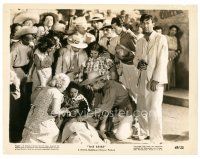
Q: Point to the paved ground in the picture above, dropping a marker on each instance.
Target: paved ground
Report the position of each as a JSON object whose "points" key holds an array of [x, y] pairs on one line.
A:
{"points": [[175, 125]]}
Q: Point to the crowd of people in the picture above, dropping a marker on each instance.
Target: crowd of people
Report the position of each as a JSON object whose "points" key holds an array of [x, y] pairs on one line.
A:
{"points": [[81, 76]]}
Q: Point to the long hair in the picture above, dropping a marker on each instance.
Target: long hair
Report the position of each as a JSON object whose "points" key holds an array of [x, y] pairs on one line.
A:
{"points": [[178, 35]]}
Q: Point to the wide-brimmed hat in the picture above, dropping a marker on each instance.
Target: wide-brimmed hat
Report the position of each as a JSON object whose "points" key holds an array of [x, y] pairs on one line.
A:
{"points": [[59, 27], [54, 15], [25, 30], [92, 77], [76, 40], [97, 17], [23, 16]]}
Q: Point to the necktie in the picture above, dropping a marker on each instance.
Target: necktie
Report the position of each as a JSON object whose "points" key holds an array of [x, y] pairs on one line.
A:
{"points": [[97, 35], [75, 63], [108, 41]]}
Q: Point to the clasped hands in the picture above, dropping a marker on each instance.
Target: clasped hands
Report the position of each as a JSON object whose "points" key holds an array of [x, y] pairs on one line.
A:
{"points": [[142, 65]]}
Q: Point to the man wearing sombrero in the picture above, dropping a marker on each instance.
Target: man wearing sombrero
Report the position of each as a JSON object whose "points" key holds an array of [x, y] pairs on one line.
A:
{"points": [[115, 96], [21, 51], [72, 58]]}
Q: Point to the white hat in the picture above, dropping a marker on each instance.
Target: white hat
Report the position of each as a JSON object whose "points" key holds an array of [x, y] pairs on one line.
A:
{"points": [[25, 30], [59, 27], [23, 16], [76, 41], [96, 17]]}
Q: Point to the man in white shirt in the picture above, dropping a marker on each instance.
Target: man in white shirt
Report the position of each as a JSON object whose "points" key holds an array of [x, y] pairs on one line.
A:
{"points": [[151, 59]]}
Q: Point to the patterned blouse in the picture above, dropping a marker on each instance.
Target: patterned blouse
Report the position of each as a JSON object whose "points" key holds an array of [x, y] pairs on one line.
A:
{"points": [[101, 65], [73, 104]]}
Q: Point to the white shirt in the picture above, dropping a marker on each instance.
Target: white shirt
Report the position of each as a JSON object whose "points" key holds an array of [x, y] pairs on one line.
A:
{"points": [[20, 54], [65, 59], [155, 53]]}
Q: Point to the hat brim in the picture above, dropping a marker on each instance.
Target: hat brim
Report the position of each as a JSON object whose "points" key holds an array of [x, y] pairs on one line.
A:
{"points": [[22, 17], [89, 81], [24, 31], [106, 26], [55, 16], [96, 19], [80, 45]]}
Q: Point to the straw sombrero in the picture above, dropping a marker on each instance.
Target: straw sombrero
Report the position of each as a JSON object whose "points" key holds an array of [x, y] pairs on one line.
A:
{"points": [[25, 30], [92, 77], [24, 16], [76, 41]]}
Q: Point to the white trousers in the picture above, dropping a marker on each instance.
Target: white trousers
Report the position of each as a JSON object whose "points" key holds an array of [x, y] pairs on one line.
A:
{"points": [[150, 114]]}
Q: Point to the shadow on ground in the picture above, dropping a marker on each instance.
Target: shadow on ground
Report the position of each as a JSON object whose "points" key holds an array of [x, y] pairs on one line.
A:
{"points": [[175, 138]]}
